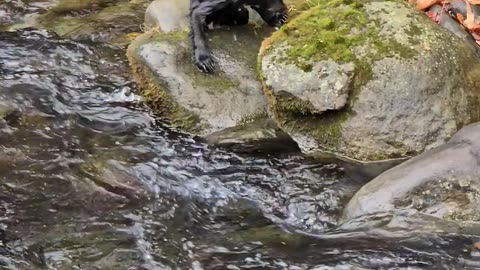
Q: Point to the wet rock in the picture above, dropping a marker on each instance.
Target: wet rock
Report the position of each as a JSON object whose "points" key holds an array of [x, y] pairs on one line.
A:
{"points": [[167, 16], [325, 86], [194, 101], [96, 20], [442, 182], [21, 12], [9, 158], [8, 11], [261, 135], [369, 80], [403, 223], [358, 169], [454, 26], [271, 235], [8, 112], [111, 180], [120, 258]]}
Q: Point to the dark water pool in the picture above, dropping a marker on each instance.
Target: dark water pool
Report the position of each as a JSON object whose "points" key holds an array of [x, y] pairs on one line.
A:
{"points": [[90, 179]]}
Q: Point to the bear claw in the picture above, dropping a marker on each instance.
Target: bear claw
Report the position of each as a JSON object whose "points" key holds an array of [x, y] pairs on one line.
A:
{"points": [[205, 62]]}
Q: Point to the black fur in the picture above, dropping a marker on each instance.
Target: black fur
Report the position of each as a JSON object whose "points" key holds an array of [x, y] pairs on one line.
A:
{"points": [[227, 12]]}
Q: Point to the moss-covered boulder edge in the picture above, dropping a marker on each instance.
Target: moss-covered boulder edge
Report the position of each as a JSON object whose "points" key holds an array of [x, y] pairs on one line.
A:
{"points": [[413, 84], [152, 89], [189, 99]]}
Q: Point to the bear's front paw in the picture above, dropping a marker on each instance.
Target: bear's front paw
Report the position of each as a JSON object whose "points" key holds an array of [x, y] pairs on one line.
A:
{"points": [[204, 61]]}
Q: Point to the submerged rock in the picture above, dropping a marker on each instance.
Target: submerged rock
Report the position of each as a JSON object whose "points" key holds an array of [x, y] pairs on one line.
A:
{"points": [[443, 182], [97, 20], [370, 80], [358, 169], [108, 180], [194, 101], [261, 135], [7, 110]]}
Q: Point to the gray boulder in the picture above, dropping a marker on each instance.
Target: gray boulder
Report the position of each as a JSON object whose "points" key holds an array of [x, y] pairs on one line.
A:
{"points": [[370, 80], [188, 99], [443, 182]]}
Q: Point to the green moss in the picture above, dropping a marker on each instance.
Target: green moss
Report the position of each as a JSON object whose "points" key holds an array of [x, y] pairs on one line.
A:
{"points": [[253, 118], [343, 31], [155, 92], [326, 128], [414, 31], [289, 103], [333, 29], [164, 104], [363, 74], [219, 83], [320, 35]]}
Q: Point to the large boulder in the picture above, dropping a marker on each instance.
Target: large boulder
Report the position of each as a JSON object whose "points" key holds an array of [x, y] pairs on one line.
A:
{"points": [[188, 99], [443, 182], [370, 80]]}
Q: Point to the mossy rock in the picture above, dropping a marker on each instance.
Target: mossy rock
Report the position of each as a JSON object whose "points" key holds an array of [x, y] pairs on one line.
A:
{"points": [[193, 101], [97, 20], [108, 178], [297, 7], [370, 80], [442, 182]]}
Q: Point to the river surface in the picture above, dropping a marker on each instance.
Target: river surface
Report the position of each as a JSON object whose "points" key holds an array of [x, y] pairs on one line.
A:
{"points": [[90, 178]]}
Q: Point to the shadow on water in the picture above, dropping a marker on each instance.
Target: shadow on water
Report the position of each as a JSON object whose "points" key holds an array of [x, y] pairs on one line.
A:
{"points": [[90, 180]]}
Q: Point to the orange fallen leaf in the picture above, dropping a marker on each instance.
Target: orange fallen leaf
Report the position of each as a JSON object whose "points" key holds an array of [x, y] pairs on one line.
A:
{"points": [[460, 18], [424, 4], [433, 15], [470, 22]]}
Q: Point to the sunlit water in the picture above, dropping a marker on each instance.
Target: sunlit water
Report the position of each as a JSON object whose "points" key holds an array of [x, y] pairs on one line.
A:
{"points": [[90, 179]]}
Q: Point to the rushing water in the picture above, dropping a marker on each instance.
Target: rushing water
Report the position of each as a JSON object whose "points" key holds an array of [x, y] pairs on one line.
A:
{"points": [[90, 179]]}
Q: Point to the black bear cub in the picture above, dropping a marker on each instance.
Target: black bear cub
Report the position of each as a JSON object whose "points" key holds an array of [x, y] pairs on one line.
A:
{"points": [[227, 12]]}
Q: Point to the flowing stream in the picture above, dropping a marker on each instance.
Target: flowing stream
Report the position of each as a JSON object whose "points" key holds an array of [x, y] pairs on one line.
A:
{"points": [[91, 179]]}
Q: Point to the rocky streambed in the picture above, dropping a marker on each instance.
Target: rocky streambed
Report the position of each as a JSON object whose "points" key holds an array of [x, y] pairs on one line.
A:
{"points": [[287, 158]]}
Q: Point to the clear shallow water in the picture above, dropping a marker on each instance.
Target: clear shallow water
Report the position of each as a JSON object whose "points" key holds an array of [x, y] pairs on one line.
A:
{"points": [[90, 179]]}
